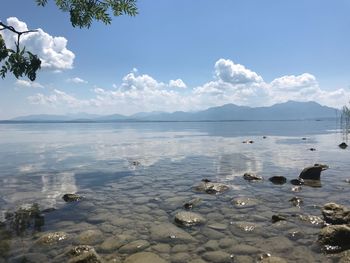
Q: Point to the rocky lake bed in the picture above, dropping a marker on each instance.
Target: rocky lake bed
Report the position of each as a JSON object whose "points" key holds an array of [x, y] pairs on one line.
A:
{"points": [[140, 193]]}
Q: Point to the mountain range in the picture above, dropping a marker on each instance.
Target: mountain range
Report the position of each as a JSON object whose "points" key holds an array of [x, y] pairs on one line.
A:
{"points": [[291, 110]]}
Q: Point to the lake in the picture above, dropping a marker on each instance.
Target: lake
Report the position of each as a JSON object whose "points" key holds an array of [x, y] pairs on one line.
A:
{"points": [[135, 177]]}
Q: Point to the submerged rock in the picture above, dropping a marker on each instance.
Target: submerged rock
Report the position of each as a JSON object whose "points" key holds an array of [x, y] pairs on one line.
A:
{"points": [[193, 202], [244, 202], [185, 218], [169, 233], [314, 220], [273, 260], [90, 237], [335, 238], [313, 172], [72, 197], [211, 188], [217, 257], [135, 246], [278, 180], [343, 145], [52, 238], [252, 177], [336, 214], [144, 257]]}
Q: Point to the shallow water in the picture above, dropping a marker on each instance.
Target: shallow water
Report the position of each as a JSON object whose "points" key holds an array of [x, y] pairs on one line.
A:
{"points": [[136, 176]]}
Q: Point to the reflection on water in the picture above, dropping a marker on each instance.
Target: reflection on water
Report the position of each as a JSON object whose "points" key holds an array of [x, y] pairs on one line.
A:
{"points": [[141, 174]]}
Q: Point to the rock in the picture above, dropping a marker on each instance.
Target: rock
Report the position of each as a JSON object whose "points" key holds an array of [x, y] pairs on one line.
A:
{"points": [[273, 260], [252, 177], [169, 233], [180, 257], [296, 201], [111, 244], [185, 218], [217, 257], [28, 258], [248, 142], [298, 181], [343, 145], [312, 149], [336, 214], [296, 189], [335, 238], [217, 226], [211, 188], [193, 202], [144, 257], [278, 180], [304, 139], [276, 218], [72, 197], [84, 254], [90, 237], [345, 257], [211, 245], [313, 172], [133, 247], [264, 137], [244, 202], [52, 238]]}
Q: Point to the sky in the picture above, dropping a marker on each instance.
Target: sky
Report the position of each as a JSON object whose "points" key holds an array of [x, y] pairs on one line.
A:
{"points": [[181, 55]]}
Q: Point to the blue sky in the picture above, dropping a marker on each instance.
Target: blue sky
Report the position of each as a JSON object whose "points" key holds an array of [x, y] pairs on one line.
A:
{"points": [[182, 55]]}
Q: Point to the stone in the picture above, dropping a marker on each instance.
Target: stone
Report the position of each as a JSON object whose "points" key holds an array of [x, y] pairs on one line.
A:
{"points": [[185, 218], [252, 177], [28, 258], [217, 257], [278, 179], [180, 257], [211, 188], [276, 218], [243, 249], [343, 145], [193, 202], [90, 237], [296, 201], [273, 260], [144, 257], [244, 202], [71, 197], [168, 233], [313, 172], [84, 254], [345, 257], [335, 238], [133, 247], [52, 238], [243, 259], [111, 244], [298, 181], [162, 248], [336, 214], [312, 149], [314, 220], [217, 226], [211, 245]]}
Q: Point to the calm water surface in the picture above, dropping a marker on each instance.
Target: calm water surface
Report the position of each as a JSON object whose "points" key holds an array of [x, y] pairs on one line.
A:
{"points": [[136, 176]]}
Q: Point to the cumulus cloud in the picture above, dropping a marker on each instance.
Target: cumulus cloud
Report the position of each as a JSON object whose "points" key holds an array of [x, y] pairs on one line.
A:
{"points": [[232, 83], [77, 80], [178, 83], [51, 50], [28, 84]]}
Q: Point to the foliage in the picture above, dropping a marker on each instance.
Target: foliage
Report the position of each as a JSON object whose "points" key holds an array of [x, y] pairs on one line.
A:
{"points": [[22, 63], [84, 12]]}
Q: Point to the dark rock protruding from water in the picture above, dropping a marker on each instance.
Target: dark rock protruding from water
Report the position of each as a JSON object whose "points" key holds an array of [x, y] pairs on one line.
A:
{"points": [[336, 214], [312, 149], [276, 218], [343, 145], [313, 172], [81, 254], [298, 181], [189, 219], [252, 177], [211, 188], [296, 201], [335, 238], [72, 198], [278, 180]]}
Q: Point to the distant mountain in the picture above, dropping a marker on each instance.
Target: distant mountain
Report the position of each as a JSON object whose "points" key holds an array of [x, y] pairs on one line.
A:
{"points": [[290, 110]]}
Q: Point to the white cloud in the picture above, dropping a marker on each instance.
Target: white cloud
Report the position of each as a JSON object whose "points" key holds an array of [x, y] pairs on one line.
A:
{"points": [[77, 80], [232, 83], [51, 50], [178, 83], [28, 84]]}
